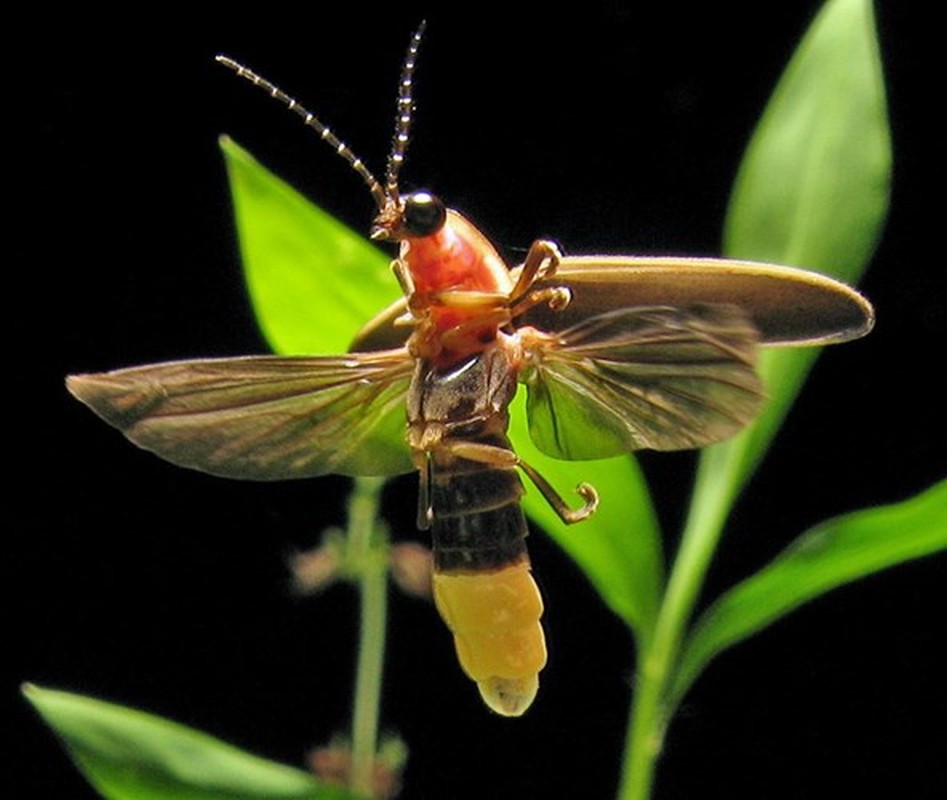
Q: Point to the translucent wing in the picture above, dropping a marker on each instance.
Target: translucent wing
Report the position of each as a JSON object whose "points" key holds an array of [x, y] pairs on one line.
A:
{"points": [[653, 377], [263, 418]]}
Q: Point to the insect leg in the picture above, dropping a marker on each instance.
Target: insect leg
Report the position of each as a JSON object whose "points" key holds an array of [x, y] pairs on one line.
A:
{"points": [[469, 299], [403, 275], [425, 509], [541, 262], [585, 490], [467, 335], [502, 457], [557, 297]]}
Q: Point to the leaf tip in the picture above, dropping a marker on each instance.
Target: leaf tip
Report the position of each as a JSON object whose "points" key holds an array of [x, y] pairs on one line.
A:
{"points": [[230, 148], [34, 695]]}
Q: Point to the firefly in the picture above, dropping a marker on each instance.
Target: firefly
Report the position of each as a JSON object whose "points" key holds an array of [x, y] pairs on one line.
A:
{"points": [[616, 353]]}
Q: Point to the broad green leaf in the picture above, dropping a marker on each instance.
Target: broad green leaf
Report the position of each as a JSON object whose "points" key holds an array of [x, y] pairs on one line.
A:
{"points": [[129, 755], [813, 192], [619, 548], [836, 552], [313, 282]]}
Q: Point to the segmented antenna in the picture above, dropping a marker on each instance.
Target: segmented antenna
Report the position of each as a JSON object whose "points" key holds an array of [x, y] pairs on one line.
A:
{"points": [[325, 133], [399, 143], [387, 196]]}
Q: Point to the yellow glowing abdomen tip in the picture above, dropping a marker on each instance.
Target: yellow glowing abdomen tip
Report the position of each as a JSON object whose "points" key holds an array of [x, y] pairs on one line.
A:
{"points": [[494, 617]]}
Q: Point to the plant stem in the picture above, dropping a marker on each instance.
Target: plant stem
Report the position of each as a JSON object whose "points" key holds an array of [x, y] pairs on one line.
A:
{"points": [[710, 504], [368, 549]]}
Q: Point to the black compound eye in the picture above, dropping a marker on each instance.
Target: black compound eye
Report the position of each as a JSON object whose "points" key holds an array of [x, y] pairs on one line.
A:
{"points": [[424, 214]]}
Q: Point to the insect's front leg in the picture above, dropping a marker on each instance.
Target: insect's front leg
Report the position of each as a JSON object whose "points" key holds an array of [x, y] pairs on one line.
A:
{"points": [[403, 275], [542, 260]]}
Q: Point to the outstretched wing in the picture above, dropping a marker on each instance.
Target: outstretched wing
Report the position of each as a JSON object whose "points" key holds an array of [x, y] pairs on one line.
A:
{"points": [[263, 418], [651, 377]]}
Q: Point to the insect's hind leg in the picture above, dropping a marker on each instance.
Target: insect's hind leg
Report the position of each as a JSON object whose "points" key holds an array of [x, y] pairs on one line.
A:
{"points": [[569, 516], [502, 457], [425, 507]]}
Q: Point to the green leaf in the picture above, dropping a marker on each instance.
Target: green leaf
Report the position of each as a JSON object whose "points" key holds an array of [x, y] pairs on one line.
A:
{"points": [[812, 191], [313, 282], [129, 755], [834, 553], [619, 548]]}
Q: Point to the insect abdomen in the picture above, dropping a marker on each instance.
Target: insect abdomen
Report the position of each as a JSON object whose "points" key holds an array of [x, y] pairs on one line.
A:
{"points": [[482, 583]]}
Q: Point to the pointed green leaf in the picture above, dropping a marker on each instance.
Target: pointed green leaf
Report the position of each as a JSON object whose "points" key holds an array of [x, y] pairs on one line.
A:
{"points": [[813, 192], [813, 187], [129, 755], [313, 282], [619, 548], [834, 553]]}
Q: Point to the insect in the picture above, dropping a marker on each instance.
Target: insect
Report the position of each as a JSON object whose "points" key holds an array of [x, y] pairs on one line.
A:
{"points": [[616, 353]]}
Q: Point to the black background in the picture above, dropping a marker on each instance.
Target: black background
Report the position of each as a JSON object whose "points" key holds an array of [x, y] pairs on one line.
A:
{"points": [[616, 128]]}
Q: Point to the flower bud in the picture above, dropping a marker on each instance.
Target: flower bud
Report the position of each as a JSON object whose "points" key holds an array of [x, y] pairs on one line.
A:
{"points": [[411, 568], [315, 569]]}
